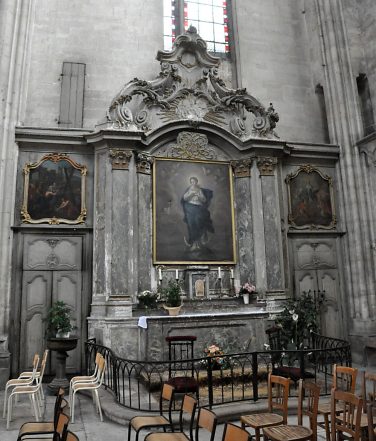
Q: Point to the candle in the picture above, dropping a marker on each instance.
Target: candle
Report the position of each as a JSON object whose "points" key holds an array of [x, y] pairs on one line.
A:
{"points": [[232, 273], [176, 274], [219, 273], [160, 273]]}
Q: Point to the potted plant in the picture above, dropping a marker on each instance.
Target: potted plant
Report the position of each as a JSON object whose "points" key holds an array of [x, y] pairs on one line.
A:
{"points": [[148, 299], [172, 297], [246, 290], [59, 320]]}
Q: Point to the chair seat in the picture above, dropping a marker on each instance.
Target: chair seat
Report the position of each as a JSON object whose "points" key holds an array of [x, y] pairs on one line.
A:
{"points": [[171, 436], [183, 384], [325, 408], [259, 420], [294, 373], [149, 421], [288, 433], [36, 427]]}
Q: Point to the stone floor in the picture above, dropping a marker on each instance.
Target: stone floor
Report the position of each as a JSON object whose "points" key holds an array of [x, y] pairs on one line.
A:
{"points": [[87, 424]]}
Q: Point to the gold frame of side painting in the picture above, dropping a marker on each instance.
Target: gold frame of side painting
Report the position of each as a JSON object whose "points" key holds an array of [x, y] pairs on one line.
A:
{"points": [[54, 191], [193, 212]]}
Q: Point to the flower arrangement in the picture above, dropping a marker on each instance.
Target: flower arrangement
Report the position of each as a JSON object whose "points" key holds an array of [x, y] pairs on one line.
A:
{"points": [[172, 294], [299, 318], [247, 288], [148, 299], [217, 354]]}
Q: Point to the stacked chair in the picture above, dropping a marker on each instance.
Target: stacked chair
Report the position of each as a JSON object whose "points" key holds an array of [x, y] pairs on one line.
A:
{"points": [[92, 383], [33, 389]]}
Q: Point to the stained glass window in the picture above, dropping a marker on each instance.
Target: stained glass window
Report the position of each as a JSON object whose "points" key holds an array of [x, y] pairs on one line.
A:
{"points": [[209, 17]]}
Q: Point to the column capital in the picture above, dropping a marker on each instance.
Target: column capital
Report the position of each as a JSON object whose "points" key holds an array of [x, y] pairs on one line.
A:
{"points": [[266, 166], [120, 158], [242, 167], [144, 163]]}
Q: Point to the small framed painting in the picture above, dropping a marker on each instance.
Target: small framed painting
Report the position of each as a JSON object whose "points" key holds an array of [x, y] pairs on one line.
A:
{"points": [[311, 199], [54, 191]]}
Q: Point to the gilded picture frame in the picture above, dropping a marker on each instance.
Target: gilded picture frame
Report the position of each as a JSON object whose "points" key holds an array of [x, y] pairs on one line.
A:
{"points": [[193, 212], [54, 191], [310, 199]]}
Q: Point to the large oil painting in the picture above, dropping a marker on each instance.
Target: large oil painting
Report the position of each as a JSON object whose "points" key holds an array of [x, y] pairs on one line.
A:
{"points": [[310, 195], [54, 191], [193, 214]]}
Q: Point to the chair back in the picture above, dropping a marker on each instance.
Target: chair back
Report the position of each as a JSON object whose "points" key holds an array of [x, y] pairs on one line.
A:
{"points": [[346, 413], [234, 433], [57, 407], [278, 394], [167, 395], [41, 372], [308, 403], [368, 389], [180, 353], [188, 407], [344, 378], [206, 420], [45, 355], [62, 422]]}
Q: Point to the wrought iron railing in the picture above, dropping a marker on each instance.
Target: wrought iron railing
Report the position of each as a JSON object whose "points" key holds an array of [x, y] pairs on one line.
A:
{"points": [[229, 378]]}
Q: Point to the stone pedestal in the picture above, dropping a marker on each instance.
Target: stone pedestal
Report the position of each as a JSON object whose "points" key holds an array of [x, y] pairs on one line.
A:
{"points": [[61, 346]]}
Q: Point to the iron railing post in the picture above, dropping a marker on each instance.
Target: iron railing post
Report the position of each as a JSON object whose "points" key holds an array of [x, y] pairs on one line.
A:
{"points": [[255, 376], [210, 381]]}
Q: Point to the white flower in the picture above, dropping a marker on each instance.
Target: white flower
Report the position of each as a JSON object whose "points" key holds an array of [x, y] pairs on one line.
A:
{"points": [[291, 311], [295, 317], [266, 346]]}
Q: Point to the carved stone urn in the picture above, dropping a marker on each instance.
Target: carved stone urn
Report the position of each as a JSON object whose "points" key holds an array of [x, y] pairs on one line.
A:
{"points": [[61, 346]]}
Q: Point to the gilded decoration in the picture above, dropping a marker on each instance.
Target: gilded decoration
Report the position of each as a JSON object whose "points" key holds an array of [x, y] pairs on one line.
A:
{"points": [[310, 199], [144, 163], [192, 145], [54, 191], [266, 166], [189, 89], [242, 167], [120, 159]]}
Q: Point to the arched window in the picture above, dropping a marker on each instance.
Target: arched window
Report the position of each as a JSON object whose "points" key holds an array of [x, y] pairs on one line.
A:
{"points": [[209, 17]]}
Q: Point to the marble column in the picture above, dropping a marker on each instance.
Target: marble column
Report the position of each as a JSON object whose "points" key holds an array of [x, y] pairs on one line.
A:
{"points": [[244, 220], [272, 224]]}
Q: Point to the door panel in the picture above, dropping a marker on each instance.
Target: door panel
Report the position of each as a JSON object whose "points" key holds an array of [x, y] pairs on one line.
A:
{"points": [[36, 298], [66, 286]]}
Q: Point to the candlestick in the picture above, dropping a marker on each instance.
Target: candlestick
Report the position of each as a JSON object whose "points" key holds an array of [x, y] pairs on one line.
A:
{"points": [[160, 273], [176, 274], [219, 273], [232, 273]]}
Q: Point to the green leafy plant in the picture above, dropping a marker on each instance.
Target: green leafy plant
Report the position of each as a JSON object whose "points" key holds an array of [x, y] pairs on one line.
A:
{"points": [[148, 299], [172, 294], [297, 320], [58, 319]]}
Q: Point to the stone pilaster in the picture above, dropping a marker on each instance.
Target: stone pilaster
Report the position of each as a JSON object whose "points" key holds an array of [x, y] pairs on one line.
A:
{"points": [[15, 25], [272, 224], [345, 128]]}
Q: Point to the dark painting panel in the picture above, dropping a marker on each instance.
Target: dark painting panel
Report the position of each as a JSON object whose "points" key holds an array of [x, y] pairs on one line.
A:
{"points": [[310, 199], [54, 191], [193, 212]]}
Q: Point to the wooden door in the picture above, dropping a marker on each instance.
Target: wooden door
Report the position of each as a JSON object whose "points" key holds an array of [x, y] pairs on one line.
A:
{"points": [[52, 271]]}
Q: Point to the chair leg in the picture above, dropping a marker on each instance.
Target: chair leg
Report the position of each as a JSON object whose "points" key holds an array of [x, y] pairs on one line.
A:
{"points": [[5, 401], [9, 414], [72, 406], [327, 430], [35, 407], [98, 404], [129, 430]]}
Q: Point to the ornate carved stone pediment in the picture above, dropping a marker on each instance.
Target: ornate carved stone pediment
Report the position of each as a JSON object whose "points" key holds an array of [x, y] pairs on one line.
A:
{"points": [[189, 89]]}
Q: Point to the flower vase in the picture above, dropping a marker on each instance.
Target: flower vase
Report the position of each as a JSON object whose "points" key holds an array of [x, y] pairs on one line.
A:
{"points": [[173, 310], [246, 298]]}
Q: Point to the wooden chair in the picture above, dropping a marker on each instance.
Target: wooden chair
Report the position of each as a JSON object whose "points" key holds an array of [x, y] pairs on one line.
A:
{"points": [[346, 413], [25, 381], [68, 435], [234, 433], [46, 427], [370, 419], [188, 408], [180, 354], [308, 408], [32, 391], [281, 386], [369, 397], [206, 420], [344, 378], [139, 423], [93, 387], [55, 434]]}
